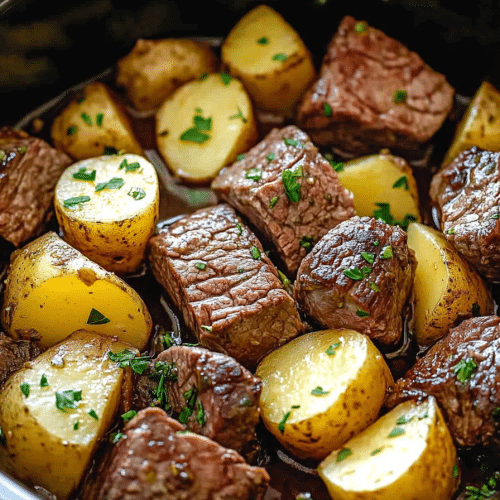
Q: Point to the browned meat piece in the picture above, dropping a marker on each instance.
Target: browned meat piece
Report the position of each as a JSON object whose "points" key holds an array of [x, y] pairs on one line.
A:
{"points": [[156, 460], [259, 186], [462, 371], [214, 395], [358, 276], [13, 355], [467, 194], [217, 273], [29, 171], [373, 92]]}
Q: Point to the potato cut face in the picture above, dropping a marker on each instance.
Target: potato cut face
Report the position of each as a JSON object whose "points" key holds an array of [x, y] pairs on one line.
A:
{"points": [[321, 389], [446, 288], [50, 443], [107, 208], [479, 125], [381, 178], [407, 453], [53, 289], [204, 125]]}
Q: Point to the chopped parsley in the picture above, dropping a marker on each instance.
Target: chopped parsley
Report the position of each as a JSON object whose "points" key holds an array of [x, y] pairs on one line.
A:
{"points": [[128, 358], [404, 420], [116, 436], [83, 175], [280, 57], [360, 27], [97, 318], [374, 286], [238, 228], [204, 76], [25, 389], [454, 471], [200, 416], [451, 230], [167, 341], [98, 119], [397, 431], [263, 40], [307, 243], [68, 399], [386, 252], [202, 123], [114, 183], [129, 167], [383, 213], [197, 134], [93, 414], [110, 150], [137, 193], [327, 109], [255, 252], [402, 182], [129, 415], [226, 79], [241, 156], [356, 274], [86, 118], [375, 452], [465, 369], [343, 454], [399, 96], [241, 270], [338, 166], [286, 282], [71, 130], [281, 425], [71, 202], [239, 115], [207, 328], [293, 142], [190, 398], [255, 174], [486, 490], [22, 149], [362, 314], [273, 201], [318, 391], [43, 381], [295, 407], [201, 266], [271, 156], [331, 351], [292, 187], [368, 257], [76, 425]]}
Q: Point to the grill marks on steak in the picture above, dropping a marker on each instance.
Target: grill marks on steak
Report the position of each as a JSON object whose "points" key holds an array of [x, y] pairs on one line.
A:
{"points": [[236, 304], [156, 460], [29, 171], [371, 305], [469, 407], [467, 194], [360, 74], [14, 354], [323, 201]]}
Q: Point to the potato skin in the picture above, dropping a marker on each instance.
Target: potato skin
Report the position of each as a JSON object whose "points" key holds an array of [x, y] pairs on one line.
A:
{"points": [[154, 69], [356, 377], [77, 132]]}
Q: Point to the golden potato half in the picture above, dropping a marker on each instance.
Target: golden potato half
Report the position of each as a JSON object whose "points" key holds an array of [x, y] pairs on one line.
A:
{"points": [[270, 58], [107, 208], [93, 123], [54, 412], [204, 125], [381, 178], [53, 290], [446, 288], [406, 454], [321, 389]]}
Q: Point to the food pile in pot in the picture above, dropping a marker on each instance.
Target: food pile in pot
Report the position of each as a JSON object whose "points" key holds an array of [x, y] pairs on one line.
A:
{"points": [[317, 311]]}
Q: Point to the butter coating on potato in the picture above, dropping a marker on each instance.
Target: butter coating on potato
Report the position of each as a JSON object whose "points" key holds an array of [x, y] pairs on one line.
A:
{"points": [[321, 389], [107, 208]]}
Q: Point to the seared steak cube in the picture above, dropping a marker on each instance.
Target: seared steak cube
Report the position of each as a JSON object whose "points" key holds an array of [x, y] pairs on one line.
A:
{"points": [[467, 194], [373, 92], [216, 271], [358, 276], [29, 171], [157, 460], [13, 355], [462, 371], [288, 191]]}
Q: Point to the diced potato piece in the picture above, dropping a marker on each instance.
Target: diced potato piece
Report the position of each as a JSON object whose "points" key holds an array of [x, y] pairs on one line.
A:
{"points": [[113, 226], [204, 125], [321, 389], [406, 454], [92, 123], [55, 290], [48, 443], [446, 288], [155, 68], [381, 178], [480, 125], [270, 58]]}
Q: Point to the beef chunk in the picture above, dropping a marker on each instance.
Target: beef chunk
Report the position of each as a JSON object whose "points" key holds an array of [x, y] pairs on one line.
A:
{"points": [[467, 194], [13, 355], [217, 273], [29, 171], [352, 105], [259, 187], [358, 276], [214, 395], [462, 371], [157, 460]]}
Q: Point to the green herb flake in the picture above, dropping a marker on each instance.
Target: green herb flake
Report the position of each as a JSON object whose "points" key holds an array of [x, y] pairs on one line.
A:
{"points": [[327, 109], [110, 150], [284, 280], [226, 79], [280, 57], [338, 166], [368, 257], [254, 174], [167, 341], [263, 40], [399, 96], [114, 183], [97, 318], [194, 135], [360, 27], [241, 270], [43, 381], [454, 472], [80, 100], [281, 425], [451, 230], [404, 420], [239, 230], [76, 425], [137, 193], [375, 452], [425, 415], [25, 389], [83, 175], [273, 201], [201, 266], [3, 439], [465, 369], [386, 252], [362, 314], [255, 252], [116, 436], [202, 123], [93, 414], [68, 399], [332, 350], [207, 328], [293, 142], [132, 167], [353, 273], [98, 119], [295, 407], [129, 415], [397, 431], [86, 118], [374, 286], [402, 182], [271, 156], [185, 414], [318, 391], [307, 243], [292, 187], [200, 416], [71, 130], [204, 76], [383, 213], [343, 454], [376, 243], [77, 200], [239, 115], [476, 310], [241, 156]]}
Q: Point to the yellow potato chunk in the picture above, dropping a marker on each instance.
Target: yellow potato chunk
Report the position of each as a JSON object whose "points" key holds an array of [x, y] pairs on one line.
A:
{"points": [[270, 58], [321, 389], [54, 411], [480, 125], [53, 290], [446, 288], [107, 208], [381, 178], [155, 68], [204, 125], [406, 454], [92, 123]]}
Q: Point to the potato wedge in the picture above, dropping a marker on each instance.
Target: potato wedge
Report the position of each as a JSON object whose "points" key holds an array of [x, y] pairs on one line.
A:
{"points": [[51, 428], [107, 208], [204, 125], [480, 125], [155, 68], [381, 178], [53, 290], [406, 454], [446, 288], [321, 389], [270, 58], [92, 123]]}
